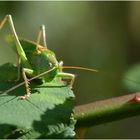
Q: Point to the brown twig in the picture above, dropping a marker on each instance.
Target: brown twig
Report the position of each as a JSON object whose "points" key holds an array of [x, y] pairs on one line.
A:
{"points": [[109, 110]]}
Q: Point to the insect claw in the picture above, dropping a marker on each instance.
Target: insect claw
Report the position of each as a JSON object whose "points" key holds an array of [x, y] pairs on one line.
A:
{"points": [[71, 85], [24, 97]]}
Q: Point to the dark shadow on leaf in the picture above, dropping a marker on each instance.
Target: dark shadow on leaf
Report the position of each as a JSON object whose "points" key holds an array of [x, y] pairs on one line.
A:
{"points": [[56, 122], [11, 132]]}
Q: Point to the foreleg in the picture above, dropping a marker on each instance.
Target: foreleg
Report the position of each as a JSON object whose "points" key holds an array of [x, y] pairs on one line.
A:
{"points": [[67, 76]]}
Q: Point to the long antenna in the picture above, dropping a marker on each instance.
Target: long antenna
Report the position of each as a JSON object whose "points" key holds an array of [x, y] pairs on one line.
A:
{"points": [[80, 68]]}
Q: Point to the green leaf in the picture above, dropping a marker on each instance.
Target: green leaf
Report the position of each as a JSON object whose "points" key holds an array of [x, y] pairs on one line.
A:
{"points": [[46, 114], [131, 79]]}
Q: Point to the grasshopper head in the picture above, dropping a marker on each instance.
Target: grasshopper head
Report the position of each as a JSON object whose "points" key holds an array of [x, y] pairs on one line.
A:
{"points": [[48, 61], [52, 59]]}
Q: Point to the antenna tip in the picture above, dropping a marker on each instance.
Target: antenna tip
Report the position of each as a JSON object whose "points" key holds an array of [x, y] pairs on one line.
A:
{"points": [[96, 70], [93, 70]]}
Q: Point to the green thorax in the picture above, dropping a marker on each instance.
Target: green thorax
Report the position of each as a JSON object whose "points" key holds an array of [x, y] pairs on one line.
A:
{"points": [[40, 61]]}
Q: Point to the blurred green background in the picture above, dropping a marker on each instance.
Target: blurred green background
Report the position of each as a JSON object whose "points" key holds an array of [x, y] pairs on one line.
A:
{"points": [[102, 35]]}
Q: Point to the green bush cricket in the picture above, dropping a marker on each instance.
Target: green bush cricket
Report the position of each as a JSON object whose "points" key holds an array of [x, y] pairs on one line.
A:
{"points": [[37, 61]]}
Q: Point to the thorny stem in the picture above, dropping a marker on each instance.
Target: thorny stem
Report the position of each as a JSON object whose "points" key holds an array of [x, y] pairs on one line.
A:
{"points": [[109, 110]]}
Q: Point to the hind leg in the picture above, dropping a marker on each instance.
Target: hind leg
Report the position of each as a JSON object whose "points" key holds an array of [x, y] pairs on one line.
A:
{"points": [[42, 33]]}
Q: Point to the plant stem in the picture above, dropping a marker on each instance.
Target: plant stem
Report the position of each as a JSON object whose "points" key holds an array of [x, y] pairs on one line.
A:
{"points": [[108, 110]]}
